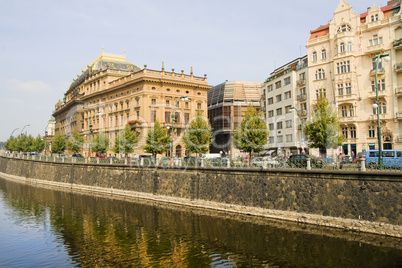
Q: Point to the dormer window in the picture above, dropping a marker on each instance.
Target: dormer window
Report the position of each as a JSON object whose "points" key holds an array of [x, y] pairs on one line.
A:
{"points": [[344, 28], [374, 17]]}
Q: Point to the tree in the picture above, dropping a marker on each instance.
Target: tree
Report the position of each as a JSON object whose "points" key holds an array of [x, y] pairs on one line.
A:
{"points": [[100, 144], [59, 143], [75, 142], [38, 144], [251, 135], [11, 144], [157, 140], [323, 129], [198, 136], [125, 141]]}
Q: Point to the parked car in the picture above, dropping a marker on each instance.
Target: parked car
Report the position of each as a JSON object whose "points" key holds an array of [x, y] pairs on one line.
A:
{"points": [[300, 160], [77, 155], [346, 159]]}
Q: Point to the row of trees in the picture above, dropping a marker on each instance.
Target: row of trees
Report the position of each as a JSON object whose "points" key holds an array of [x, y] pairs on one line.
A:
{"points": [[250, 136]]}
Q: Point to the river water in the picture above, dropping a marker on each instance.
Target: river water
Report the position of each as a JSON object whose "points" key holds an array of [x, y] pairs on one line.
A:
{"points": [[49, 228]]}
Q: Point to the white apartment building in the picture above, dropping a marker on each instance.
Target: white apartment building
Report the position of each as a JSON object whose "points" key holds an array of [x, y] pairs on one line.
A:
{"points": [[284, 90]]}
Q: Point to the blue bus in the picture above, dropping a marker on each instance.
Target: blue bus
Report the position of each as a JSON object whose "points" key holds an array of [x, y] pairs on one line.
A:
{"points": [[390, 158]]}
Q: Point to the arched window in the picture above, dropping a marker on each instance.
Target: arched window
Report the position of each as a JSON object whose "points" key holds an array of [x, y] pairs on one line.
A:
{"points": [[319, 74], [342, 47], [323, 54], [314, 56], [321, 93], [344, 111], [344, 28], [351, 110]]}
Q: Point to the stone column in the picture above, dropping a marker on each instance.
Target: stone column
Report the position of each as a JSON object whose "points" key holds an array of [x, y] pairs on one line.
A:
{"points": [[308, 164], [363, 164]]}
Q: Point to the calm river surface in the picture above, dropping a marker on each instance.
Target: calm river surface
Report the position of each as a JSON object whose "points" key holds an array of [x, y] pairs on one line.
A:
{"points": [[48, 228]]}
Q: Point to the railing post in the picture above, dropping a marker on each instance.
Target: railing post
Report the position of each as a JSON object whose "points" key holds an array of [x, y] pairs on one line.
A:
{"points": [[97, 161], [308, 164], [111, 160], [264, 164], [142, 162], [202, 162], [228, 162], [125, 161], [363, 164], [86, 160]]}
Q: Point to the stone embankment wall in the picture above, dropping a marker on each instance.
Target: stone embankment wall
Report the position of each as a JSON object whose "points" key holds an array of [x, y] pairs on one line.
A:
{"points": [[361, 201]]}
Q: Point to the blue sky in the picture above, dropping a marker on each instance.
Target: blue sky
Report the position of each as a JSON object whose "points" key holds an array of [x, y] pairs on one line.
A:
{"points": [[44, 44]]}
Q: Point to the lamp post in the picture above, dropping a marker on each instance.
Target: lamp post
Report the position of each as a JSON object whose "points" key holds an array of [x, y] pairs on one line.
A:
{"points": [[183, 98], [301, 127], [377, 106], [89, 133], [13, 131], [24, 128]]}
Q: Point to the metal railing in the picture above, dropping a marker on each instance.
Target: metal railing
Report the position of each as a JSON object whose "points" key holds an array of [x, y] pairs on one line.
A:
{"points": [[256, 163]]}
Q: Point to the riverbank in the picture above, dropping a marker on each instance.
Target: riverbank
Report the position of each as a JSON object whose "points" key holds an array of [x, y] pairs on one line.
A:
{"points": [[301, 197]]}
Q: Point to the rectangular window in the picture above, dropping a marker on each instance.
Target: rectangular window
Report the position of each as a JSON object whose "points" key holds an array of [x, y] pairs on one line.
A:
{"points": [[271, 126], [353, 132], [280, 139], [153, 116], [278, 98], [138, 114], [374, 61], [271, 139], [289, 123], [270, 101], [340, 89], [289, 138], [122, 120], [278, 85], [287, 109], [270, 88], [286, 81], [167, 117], [344, 111], [345, 132], [177, 117], [138, 102], [279, 125], [279, 111], [348, 88], [343, 67], [186, 118], [371, 130], [199, 106], [167, 103], [186, 105], [288, 95], [153, 101], [271, 113]]}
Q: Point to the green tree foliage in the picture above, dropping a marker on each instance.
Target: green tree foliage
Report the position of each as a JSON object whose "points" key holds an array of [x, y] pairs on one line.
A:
{"points": [[11, 144], [75, 142], [198, 136], [323, 129], [100, 144], [251, 135], [157, 140], [125, 141], [59, 143], [38, 144]]}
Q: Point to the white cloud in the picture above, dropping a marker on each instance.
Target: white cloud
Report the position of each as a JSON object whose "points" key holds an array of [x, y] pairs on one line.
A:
{"points": [[27, 87]]}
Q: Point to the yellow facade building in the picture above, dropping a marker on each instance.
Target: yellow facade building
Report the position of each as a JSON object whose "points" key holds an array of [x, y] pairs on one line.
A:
{"points": [[342, 66], [111, 93]]}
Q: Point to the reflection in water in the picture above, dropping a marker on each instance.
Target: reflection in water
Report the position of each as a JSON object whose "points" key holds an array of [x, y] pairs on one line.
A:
{"points": [[91, 231]]}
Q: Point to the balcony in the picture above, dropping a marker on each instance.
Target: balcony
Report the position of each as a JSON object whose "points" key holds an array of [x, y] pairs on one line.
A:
{"points": [[347, 119], [397, 44], [372, 94], [398, 91], [302, 97], [398, 67], [379, 72], [346, 98], [373, 117], [398, 115], [301, 82], [375, 49]]}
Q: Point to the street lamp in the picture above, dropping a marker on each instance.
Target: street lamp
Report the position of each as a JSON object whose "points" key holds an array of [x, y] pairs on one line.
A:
{"points": [[13, 131], [301, 127], [89, 133], [183, 98], [23, 128], [377, 106]]}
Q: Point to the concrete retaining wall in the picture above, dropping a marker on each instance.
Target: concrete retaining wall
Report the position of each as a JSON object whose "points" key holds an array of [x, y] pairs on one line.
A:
{"points": [[369, 202]]}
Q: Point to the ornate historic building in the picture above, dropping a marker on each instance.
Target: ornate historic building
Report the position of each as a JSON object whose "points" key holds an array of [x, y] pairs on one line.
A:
{"points": [[342, 66], [227, 103], [112, 92]]}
